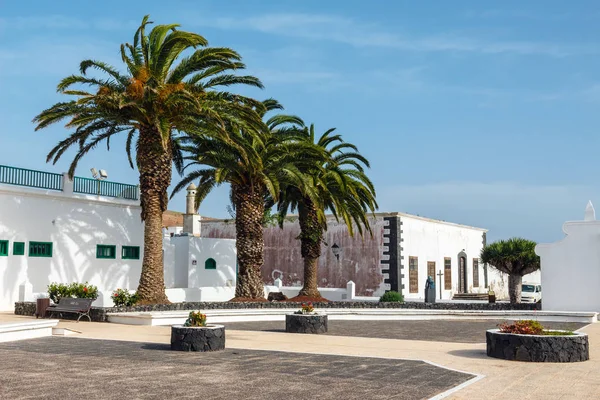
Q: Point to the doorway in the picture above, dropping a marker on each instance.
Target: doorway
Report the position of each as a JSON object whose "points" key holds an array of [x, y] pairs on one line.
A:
{"points": [[462, 272]]}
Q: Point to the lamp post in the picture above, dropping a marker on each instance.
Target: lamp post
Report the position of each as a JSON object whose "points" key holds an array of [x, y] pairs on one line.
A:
{"points": [[99, 176], [336, 251]]}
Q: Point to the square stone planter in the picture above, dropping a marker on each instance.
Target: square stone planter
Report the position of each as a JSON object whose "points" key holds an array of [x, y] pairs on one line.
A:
{"points": [[537, 348], [204, 338], [306, 323]]}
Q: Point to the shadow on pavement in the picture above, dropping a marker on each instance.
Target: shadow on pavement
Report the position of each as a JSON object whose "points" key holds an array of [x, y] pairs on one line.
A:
{"points": [[469, 353]]}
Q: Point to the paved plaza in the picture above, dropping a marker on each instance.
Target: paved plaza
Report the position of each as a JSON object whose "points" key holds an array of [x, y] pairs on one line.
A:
{"points": [[455, 331], [73, 368], [122, 361]]}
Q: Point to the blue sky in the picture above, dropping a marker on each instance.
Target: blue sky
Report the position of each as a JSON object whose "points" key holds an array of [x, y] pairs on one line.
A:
{"points": [[482, 113]]}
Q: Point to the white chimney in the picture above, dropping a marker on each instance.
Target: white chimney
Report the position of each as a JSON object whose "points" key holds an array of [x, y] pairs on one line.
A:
{"points": [[191, 220]]}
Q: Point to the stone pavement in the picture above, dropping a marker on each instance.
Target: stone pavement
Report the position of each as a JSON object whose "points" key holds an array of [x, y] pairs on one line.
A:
{"points": [[73, 368], [503, 379], [455, 330]]}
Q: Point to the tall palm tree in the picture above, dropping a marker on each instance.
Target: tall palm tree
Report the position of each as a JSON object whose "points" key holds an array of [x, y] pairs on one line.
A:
{"points": [[515, 257], [160, 95], [341, 187], [256, 165]]}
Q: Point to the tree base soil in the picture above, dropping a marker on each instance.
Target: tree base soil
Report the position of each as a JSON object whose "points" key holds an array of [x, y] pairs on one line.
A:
{"points": [[248, 300], [307, 299]]}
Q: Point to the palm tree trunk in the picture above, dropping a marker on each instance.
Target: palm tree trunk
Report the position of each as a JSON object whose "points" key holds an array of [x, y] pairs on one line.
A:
{"points": [[154, 163], [514, 288], [311, 237], [249, 210]]}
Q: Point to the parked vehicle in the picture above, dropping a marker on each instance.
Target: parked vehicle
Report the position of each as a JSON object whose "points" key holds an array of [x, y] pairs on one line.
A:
{"points": [[531, 293]]}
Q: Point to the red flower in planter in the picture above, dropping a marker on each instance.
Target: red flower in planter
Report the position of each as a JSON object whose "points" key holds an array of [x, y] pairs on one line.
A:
{"points": [[85, 289]]}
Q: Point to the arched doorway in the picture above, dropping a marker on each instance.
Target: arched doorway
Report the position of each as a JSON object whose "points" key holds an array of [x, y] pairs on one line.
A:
{"points": [[462, 272]]}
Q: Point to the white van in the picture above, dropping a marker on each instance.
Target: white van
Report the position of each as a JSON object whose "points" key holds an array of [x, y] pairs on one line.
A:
{"points": [[531, 293]]}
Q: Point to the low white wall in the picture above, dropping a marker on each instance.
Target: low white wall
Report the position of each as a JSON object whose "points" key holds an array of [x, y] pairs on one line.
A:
{"points": [[180, 295]]}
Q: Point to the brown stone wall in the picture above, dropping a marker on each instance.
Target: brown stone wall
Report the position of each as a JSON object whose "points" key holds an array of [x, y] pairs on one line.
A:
{"points": [[359, 259]]}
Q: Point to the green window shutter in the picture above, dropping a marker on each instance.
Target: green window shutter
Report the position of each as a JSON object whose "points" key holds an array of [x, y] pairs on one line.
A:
{"points": [[40, 249], [106, 251], [210, 264], [3, 247], [18, 248], [130, 253]]}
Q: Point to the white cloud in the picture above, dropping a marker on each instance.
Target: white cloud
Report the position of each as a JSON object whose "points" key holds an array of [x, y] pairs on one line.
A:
{"points": [[359, 34], [41, 56], [63, 22]]}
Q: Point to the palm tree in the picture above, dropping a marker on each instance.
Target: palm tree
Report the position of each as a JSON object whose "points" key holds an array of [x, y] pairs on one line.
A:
{"points": [[515, 257], [152, 103], [256, 165], [341, 187]]}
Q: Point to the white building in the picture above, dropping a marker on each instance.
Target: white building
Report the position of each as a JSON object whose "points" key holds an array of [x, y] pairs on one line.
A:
{"points": [[53, 229], [571, 266], [404, 250]]}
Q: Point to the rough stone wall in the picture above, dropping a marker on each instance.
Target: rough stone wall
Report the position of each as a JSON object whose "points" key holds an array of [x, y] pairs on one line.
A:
{"points": [[536, 348], [359, 259], [100, 314]]}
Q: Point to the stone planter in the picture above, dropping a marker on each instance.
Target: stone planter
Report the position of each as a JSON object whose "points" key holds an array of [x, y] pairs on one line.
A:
{"points": [[306, 323], [205, 338], [537, 348]]}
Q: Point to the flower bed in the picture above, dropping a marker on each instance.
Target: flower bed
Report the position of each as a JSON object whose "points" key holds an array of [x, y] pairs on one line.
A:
{"points": [[306, 320], [196, 335], [529, 341]]}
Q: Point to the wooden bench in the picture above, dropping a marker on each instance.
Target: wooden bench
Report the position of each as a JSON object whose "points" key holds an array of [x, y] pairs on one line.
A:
{"points": [[81, 307]]}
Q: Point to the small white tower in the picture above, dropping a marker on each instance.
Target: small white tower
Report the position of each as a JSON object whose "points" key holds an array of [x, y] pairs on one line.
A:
{"points": [[590, 213], [191, 220]]}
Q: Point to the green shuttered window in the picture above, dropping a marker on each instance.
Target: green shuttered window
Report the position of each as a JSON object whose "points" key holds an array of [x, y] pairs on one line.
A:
{"points": [[106, 251], [18, 248], [3, 247], [130, 253], [40, 249]]}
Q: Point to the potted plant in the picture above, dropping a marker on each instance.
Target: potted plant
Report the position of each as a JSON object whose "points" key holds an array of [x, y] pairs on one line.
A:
{"points": [[530, 341], [196, 335], [306, 320]]}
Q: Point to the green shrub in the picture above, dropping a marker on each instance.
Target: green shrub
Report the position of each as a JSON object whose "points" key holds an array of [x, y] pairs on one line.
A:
{"points": [[392, 297], [196, 318], [122, 298], [84, 291], [57, 291]]}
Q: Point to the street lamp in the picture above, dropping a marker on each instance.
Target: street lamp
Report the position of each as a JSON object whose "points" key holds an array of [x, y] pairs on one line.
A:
{"points": [[336, 251], [99, 176]]}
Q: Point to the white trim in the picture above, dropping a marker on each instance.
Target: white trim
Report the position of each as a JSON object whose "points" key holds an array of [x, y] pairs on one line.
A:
{"points": [[156, 318], [455, 389], [45, 193]]}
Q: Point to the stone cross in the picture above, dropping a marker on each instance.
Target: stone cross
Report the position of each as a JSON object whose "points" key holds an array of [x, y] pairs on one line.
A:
{"points": [[439, 274]]}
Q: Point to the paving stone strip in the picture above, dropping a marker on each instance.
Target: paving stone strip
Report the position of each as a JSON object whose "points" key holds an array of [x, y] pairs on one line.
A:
{"points": [[456, 331], [75, 368]]}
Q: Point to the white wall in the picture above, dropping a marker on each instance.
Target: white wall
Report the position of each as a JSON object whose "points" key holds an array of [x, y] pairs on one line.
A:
{"points": [[75, 224], [185, 258], [431, 240], [571, 267]]}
